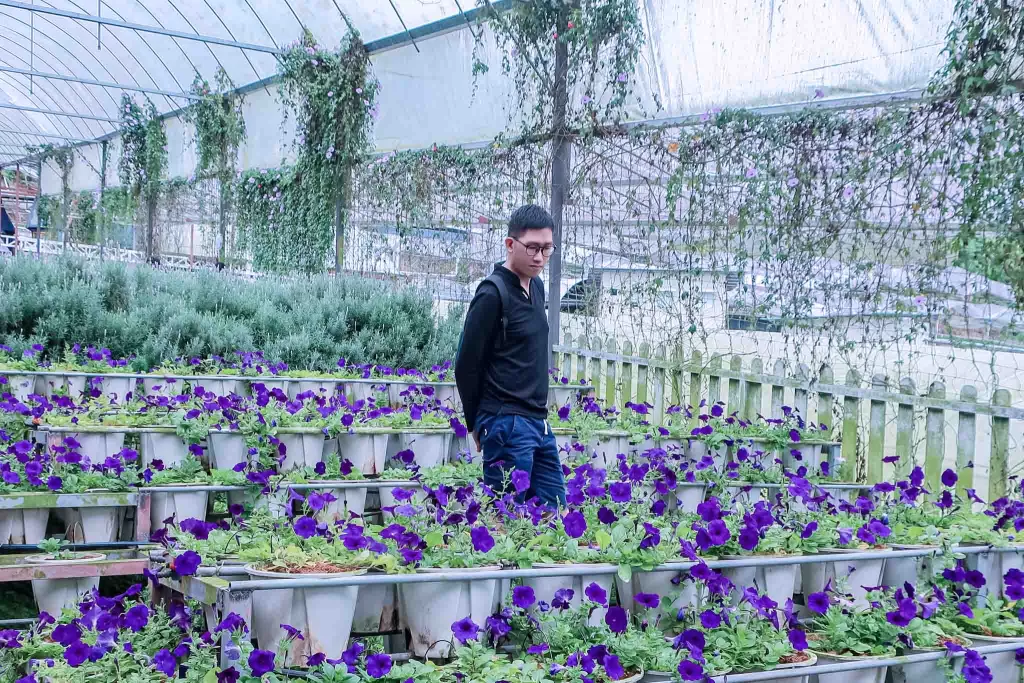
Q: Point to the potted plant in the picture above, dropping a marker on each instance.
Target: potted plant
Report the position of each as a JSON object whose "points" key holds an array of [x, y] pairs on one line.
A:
{"points": [[851, 533], [53, 595], [179, 505], [322, 615], [20, 382], [331, 505], [840, 633]]}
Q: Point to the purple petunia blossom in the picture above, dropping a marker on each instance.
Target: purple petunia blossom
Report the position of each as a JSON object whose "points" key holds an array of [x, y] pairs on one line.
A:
{"points": [[537, 649], [690, 670], [136, 618], [378, 665], [616, 619], [520, 480], [186, 563], [523, 597], [818, 602], [648, 600], [482, 539], [620, 492], [261, 662], [798, 639], [613, 667], [228, 675], [575, 524], [305, 527], [165, 663], [465, 630], [596, 594], [949, 478], [710, 619]]}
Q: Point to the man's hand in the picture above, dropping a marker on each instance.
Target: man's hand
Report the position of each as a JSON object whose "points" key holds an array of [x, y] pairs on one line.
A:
{"points": [[476, 440]]}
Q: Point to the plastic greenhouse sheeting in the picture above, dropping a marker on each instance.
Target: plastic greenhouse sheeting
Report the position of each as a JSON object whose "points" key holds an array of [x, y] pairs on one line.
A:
{"points": [[699, 55]]}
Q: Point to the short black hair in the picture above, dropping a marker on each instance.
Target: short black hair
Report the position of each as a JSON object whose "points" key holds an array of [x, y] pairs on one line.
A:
{"points": [[529, 217]]}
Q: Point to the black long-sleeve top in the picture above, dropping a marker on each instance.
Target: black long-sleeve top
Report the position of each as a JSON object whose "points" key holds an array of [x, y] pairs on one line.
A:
{"points": [[504, 376]]}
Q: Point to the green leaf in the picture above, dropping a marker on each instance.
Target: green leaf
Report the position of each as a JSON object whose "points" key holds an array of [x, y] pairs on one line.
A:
{"points": [[625, 572]]}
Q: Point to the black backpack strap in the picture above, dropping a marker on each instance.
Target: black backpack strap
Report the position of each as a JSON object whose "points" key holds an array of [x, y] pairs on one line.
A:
{"points": [[498, 282]]}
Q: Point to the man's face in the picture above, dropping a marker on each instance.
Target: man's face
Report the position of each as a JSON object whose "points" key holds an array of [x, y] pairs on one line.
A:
{"points": [[526, 253]]}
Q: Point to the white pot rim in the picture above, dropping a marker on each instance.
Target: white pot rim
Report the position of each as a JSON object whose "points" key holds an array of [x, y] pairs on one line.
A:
{"points": [[995, 639], [811, 661], [251, 570], [851, 551], [846, 658], [46, 559], [467, 570]]}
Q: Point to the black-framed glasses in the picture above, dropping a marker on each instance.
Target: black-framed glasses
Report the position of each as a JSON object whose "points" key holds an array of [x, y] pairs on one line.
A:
{"points": [[533, 249]]}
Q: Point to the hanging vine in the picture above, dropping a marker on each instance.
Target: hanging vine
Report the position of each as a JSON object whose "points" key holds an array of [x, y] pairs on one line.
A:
{"points": [[143, 160], [219, 132], [603, 37], [64, 159], [287, 216]]}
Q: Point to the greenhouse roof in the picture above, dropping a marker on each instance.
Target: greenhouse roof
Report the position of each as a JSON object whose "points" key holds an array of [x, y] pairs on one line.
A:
{"points": [[66, 62]]}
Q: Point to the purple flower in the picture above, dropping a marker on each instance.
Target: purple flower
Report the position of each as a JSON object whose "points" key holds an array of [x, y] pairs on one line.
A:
{"points": [[648, 600], [520, 480], [710, 619], [817, 602], [798, 639], [305, 527], [465, 630], [378, 665], [66, 634], [232, 622], [563, 596], [949, 478], [616, 619], [482, 540], [523, 597], [186, 564], [575, 524], [718, 532], [292, 632], [537, 649], [164, 662], [690, 670], [228, 675], [76, 653], [136, 618], [606, 516], [54, 483], [613, 668], [794, 435], [261, 662], [596, 594], [621, 492], [809, 530]]}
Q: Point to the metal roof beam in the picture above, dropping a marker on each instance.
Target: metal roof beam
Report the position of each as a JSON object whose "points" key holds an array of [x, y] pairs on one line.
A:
{"points": [[44, 135], [139, 27], [435, 28], [102, 84], [50, 112]]}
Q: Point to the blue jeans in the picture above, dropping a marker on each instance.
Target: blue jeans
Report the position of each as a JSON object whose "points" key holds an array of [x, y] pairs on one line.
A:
{"points": [[514, 442]]}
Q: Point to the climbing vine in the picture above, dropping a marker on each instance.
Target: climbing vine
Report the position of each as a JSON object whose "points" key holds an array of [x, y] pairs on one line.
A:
{"points": [[143, 160], [287, 216], [219, 131], [64, 159], [603, 39]]}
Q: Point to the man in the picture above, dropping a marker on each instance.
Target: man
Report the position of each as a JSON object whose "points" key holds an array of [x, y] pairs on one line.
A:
{"points": [[501, 367]]}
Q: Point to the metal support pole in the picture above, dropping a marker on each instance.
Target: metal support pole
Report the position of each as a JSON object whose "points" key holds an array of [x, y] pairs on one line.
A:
{"points": [[559, 181], [341, 210], [102, 237], [39, 219], [150, 226]]}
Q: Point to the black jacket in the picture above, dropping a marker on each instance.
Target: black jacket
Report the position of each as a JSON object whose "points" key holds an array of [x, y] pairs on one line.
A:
{"points": [[504, 376]]}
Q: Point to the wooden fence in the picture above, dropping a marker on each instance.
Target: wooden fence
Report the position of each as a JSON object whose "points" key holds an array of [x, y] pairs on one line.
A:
{"points": [[856, 410]]}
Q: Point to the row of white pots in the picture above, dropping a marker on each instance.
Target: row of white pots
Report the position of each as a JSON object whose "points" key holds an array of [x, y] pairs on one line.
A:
{"points": [[88, 524], [114, 388]]}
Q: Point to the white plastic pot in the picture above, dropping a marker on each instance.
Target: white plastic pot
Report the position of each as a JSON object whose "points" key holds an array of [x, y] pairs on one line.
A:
{"points": [[697, 449], [448, 396], [366, 452], [227, 449], [223, 387], [775, 581], [361, 391], [321, 387], [923, 672], [876, 675], [430, 450], [349, 501], [180, 505], [115, 388], [74, 386], [324, 615], [96, 446], [900, 570], [387, 497], [162, 386], [395, 390], [54, 595], [20, 386], [430, 609], [272, 383], [377, 608], [559, 396], [302, 450], [30, 526], [688, 496], [796, 678], [858, 573], [1003, 665], [546, 587], [994, 566], [660, 583], [100, 524], [810, 454], [7, 520], [609, 447], [163, 446]]}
